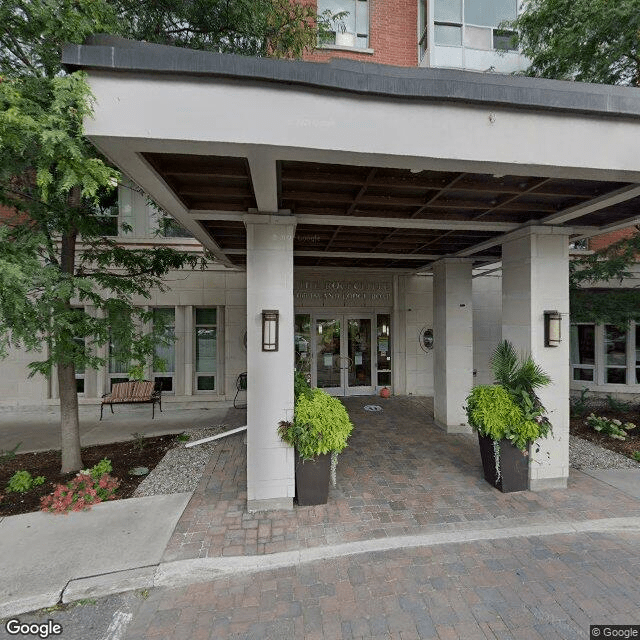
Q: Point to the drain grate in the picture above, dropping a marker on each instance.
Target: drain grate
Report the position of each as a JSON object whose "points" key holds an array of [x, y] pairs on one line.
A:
{"points": [[372, 407]]}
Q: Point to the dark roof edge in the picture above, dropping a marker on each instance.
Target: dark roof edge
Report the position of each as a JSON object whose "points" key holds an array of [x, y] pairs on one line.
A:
{"points": [[449, 85]]}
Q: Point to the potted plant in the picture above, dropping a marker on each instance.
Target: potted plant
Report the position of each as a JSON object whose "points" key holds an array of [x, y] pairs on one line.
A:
{"points": [[508, 417], [319, 431]]}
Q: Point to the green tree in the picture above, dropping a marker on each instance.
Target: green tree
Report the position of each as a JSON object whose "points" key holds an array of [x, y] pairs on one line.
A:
{"points": [[54, 256], [584, 40]]}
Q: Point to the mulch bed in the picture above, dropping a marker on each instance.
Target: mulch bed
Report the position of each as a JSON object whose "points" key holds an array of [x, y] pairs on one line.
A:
{"points": [[124, 456], [578, 427]]}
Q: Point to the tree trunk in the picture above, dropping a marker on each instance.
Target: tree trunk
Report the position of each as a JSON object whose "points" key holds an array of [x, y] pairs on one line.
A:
{"points": [[69, 421]]}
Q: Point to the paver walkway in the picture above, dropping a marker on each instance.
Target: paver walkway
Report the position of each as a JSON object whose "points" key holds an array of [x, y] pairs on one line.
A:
{"points": [[400, 475], [548, 587]]}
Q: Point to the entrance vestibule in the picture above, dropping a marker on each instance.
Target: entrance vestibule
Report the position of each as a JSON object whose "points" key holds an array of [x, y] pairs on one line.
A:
{"points": [[346, 353]]}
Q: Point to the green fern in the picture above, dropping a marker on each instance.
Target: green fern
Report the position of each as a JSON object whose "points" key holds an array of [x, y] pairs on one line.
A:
{"points": [[515, 373]]}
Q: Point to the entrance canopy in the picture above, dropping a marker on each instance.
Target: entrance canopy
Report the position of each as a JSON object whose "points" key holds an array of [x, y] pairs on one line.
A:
{"points": [[377, 167], [275, 164]]}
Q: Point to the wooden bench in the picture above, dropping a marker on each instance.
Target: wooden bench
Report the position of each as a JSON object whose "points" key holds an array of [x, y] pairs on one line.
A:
{"points": [[134, 392]]}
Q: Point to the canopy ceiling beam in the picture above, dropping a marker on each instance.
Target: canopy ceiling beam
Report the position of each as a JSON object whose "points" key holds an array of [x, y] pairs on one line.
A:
{"points": [[364, 221], [601, 202]]}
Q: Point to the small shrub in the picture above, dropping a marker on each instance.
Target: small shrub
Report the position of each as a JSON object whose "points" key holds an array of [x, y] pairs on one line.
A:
{"points": [[321, 425], [183, 437], [494, 413], [99, 469], [636, 455], [608, 427], [300, 385], [579, 406], [10, 454], [80, 493], [23, 481], [617, 405], [139, 440]]}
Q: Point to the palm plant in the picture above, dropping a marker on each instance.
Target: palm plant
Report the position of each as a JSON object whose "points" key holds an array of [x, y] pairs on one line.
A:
{"points": [[521, 376]]}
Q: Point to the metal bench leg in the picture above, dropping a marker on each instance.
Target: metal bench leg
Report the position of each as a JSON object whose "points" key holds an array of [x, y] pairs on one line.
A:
{"points": [[111, 405], [153, 410], [101, 408]]}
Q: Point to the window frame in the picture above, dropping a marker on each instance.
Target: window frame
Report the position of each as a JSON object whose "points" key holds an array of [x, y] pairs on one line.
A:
{"points": [[495, 31], [167, 374], [632, 369], [206, 374], [578, 365], [355, 47]]}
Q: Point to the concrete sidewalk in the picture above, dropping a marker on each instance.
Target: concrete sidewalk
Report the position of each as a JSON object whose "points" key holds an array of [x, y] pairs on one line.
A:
{"points": [[41, 553], [40, 431]]}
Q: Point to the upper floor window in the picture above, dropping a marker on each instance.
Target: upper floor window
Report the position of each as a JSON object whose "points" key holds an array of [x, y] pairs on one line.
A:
{"points": [[108, 213], [473, 23], [352, 30]]}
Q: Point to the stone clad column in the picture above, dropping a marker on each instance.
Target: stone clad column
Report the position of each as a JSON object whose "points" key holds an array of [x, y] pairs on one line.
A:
{"points": [[535, 279], [270, 462], [452, 342]]}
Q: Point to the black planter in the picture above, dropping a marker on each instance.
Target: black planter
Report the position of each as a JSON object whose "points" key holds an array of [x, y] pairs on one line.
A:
{"points": [[312, 479], [512, 471]]}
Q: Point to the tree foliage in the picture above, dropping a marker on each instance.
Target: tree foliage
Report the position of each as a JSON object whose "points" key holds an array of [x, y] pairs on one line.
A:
{"points": [[277, 28], [584, 40], [55, 260]]}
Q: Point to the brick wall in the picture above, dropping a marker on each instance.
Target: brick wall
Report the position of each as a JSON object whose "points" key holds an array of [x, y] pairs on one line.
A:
{"points": [[393, 27], [604, 240]]}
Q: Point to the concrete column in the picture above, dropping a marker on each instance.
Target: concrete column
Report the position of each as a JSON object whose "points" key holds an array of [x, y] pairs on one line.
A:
{"points": [[270, 462], [535, 278], [452, 342]]}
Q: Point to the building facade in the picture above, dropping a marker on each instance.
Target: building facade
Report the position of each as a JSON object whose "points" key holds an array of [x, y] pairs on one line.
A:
{"points": [[400, 222]]}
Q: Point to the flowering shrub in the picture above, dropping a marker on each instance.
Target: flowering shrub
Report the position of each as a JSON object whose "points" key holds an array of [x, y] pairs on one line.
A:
{"points": [[80, 493], [612, 428]]}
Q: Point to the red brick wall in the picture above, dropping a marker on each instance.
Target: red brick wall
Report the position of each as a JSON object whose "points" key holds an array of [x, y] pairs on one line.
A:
{"points": [[604, 240], [393, 27]]}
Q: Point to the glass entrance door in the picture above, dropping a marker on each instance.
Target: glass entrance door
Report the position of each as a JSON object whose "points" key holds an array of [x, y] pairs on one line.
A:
{"points": [[359, 374], [328, 355], [342, 355]]}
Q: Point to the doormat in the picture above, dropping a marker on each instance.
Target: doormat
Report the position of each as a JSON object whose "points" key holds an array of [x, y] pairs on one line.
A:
{"points": [[372, 407]]}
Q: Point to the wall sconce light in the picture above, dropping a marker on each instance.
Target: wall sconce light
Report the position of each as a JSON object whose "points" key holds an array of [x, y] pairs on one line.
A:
{"points": [[270, 321], [552, 323]]}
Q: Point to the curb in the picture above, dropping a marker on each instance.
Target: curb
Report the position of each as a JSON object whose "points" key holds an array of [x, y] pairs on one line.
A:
{"points": [[181, 573]]}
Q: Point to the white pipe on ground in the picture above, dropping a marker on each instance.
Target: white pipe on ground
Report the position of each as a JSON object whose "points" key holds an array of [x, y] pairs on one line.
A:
{"points": [[220, 435]]}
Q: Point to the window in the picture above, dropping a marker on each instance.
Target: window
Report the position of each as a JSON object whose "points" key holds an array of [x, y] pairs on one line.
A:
{"points": [[170, 228], [119, 364], [166, 352], [583, 352], [302, 343], [615, 342], [383, 349], [80, 367], [206, 349], [474, 23], [107, 213], [353, 29]]}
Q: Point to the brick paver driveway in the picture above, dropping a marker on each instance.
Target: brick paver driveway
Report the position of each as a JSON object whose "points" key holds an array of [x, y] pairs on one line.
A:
{"points": [[400, 475], [525, 589]]}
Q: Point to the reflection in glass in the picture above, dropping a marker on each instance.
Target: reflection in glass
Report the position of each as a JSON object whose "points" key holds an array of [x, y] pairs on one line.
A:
{"points": [[447, 35], [359, 352], [383, 349], [328, 353], [615, 342], [302, 342]]}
